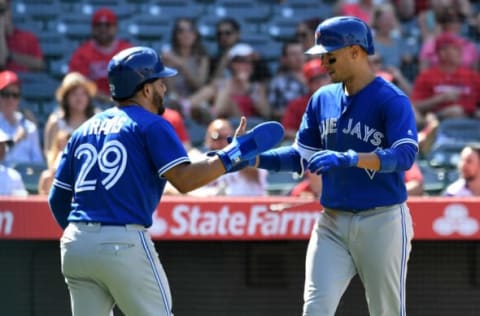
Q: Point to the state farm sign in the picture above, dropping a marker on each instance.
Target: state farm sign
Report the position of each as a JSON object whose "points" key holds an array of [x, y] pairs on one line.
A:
{"points": [[255, 222]]}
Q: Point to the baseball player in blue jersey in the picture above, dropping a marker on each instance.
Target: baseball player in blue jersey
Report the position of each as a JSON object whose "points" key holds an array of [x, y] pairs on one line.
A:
{"points": [[110, 180], [359, 134]]}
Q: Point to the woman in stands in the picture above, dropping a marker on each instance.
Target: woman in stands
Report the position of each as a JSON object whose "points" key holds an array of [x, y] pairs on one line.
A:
{"points": [[75, 99], [187, 54]]}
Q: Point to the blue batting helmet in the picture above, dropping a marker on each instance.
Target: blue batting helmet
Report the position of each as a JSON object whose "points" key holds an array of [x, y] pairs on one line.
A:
{"points": [[129, 69], [342, 31]]}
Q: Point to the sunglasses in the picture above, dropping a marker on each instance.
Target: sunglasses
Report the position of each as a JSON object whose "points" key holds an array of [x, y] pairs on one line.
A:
{"points": [[8, 94], [224, 33]]}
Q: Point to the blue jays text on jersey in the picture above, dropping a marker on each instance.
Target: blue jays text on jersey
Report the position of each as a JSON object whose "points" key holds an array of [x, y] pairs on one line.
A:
{"points": [[377, 117]]}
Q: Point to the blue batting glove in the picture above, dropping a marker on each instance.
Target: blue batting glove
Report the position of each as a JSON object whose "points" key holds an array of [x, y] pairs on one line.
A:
{"points": [[246, 147], [326, 159]]}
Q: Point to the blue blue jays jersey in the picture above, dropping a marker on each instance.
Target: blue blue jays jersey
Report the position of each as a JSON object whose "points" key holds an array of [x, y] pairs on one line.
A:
{"points": [[114, 163], [379, 116]]}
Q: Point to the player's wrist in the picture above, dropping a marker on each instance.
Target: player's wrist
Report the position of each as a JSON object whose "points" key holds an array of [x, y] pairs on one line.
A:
{"points": [[352, 158]]}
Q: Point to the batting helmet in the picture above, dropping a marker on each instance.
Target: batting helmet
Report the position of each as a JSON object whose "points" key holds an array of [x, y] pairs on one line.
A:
{"points": [[342, 31], [132, 67]]}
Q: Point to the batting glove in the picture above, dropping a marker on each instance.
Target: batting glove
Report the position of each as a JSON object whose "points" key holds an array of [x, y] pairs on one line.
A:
{"points": [[246, 147], [326, 159]]}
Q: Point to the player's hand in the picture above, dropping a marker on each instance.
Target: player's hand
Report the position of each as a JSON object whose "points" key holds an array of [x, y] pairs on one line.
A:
{"points": [[243, 149], [326, 159]]}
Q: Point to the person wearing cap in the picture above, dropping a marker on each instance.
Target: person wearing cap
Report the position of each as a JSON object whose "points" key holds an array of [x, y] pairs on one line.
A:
{"points": [[235, 95], [92, 57], [11, 182], [316, 76], [24, 133], [20, 50], [289, 82], [450, 21], [228, 33], [448, 89], [75, 99], [240, 94]]}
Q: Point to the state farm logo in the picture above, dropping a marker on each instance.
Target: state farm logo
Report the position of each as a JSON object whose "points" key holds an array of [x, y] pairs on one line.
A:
{"points": [[456, 220], [258, 221], [6, 222]]}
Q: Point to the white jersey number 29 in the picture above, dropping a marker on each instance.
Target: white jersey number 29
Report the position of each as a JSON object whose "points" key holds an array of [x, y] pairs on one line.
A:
{"points": [[111, 160]]}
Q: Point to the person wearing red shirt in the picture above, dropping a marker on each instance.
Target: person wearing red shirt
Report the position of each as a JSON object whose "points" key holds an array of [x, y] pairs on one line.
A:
{"points": [[316, 77], [179, 125], [20, 50], [414, 180], [448, 90], [92, 57]]}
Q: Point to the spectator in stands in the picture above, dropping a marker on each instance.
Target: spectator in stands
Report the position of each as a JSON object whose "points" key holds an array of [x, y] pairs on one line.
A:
{"points": [[92, 57], [289, 82], [187, 54], [448, 89], [451, 22], [11, 182], [176, 119], [414, 180], [388, 39], [316, 77], [305, 32], [389, 73], [228, 34], [53, 158], [75, 100], [19, 49], [409, 30], [246, 182], [309, 187], [469, 168], [430, 18], [240, 94], [237, 95], [24, 133]]}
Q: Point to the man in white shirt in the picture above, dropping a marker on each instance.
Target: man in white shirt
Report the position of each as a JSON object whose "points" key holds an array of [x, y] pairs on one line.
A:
{"points": [[245, 182], [469, 167], [11, 182]]}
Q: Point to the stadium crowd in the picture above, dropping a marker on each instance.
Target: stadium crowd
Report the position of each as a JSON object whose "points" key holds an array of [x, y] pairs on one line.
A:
{"points": [[230, 67]]}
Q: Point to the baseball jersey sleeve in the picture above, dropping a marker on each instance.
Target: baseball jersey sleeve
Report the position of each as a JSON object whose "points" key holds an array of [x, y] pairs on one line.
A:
{"points": [[164, 146]]}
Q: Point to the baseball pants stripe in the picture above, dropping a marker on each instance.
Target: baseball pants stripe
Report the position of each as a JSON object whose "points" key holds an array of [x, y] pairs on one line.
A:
{"points": [[107, 265], [375, 244], [155, 273]]}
